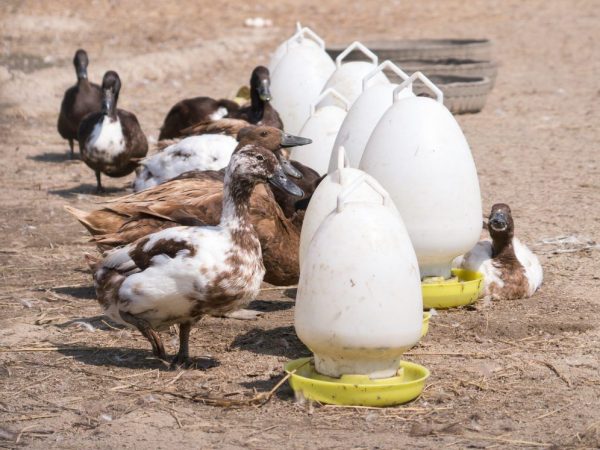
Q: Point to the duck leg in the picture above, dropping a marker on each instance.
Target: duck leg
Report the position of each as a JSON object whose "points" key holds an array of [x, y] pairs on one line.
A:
{"points": [[72, 155], [183, 355], [148, 332], [99, 188]]}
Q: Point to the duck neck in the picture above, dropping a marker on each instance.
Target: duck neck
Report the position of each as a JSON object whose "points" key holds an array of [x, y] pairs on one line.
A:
{"points": [[503, 248], [236, 198], [257, 106]]}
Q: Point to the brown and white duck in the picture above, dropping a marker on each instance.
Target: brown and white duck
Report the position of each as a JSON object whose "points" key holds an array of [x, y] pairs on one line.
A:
{"points": [[177, 275], [511, 270], [111, 141], [197, 197], [79, 100]]}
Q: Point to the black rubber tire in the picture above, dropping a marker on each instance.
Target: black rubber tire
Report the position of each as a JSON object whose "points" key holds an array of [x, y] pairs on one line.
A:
{"points": [[454, 67], [462, 95], [397, 50]]}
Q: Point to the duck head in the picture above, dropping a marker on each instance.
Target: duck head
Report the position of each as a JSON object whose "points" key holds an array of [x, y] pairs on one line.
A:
{"points": [[111, 85], [254, 164], [260, 85], [80, 61], [273, 139], [501, 225]]}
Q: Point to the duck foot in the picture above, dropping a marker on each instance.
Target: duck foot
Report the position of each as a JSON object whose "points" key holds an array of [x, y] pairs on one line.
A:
{"points": [[180, 362], [148, 332], [244, 314]]}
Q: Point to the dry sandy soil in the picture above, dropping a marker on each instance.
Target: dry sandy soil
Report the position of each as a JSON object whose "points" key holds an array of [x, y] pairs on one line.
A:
{"points": [[504, 375]]}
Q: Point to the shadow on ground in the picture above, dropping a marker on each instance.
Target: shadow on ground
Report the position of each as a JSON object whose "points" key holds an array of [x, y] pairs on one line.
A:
{"points": [[131, 358], [280, 341], [55, 157]]}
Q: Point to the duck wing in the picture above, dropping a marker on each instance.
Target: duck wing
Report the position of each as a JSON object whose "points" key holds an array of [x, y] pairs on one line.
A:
{"points": [[230, 127]]}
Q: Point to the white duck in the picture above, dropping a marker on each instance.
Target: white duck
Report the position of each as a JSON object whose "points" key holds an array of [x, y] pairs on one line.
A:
{"points": [[205, 152], [511, 270], [177, 275]]}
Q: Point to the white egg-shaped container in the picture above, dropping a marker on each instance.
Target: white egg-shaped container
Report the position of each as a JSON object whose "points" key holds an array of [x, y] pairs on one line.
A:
{"points": [[296, 40], [322, 127], [299, 78], [359, 304], [419, 154], [347, 78], [365, 113], [324, 199]]}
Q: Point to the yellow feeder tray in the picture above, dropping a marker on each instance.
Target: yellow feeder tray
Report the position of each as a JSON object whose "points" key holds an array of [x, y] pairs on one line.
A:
{"points": [[463, 289], [425, 327], [357, 390]]}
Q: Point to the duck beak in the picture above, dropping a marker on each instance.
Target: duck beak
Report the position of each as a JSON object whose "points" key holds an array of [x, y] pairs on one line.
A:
{"points": [[108, 100], [287, 166], [498, 221], [282, 182], [288, 140], [81, 73], [264, 91]]}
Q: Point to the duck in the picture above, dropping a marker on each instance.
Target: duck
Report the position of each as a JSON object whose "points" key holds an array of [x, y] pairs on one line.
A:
{"points": [[79, 100], [190, 113], [178, 275], [259, 111], [195, 197], [211, 152], [204, 152], [511, 269], [111, 141]]}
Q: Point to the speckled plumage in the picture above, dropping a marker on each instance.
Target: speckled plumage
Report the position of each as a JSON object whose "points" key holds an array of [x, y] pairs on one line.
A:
{"points": [[510, 269], [176, 275], [207, 152]]}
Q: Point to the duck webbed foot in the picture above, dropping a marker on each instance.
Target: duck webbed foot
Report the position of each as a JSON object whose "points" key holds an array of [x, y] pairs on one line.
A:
{"points": [[182, 359], [148, 332], [244, 314]]}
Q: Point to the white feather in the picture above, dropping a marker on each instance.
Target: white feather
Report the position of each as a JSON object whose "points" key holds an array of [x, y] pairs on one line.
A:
{"points": [[106, 140], [219, 113], [205, 152], [162, 292]]}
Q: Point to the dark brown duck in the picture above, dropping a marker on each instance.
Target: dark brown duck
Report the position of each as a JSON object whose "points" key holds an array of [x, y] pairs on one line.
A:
{"points": [[79, 100]]}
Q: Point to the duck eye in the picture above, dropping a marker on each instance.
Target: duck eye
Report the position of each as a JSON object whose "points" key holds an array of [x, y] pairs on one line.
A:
{"points": [[264, 134], [260, 157]]}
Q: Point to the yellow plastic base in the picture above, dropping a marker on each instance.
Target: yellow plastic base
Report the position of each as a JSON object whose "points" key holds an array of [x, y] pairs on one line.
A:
{"points": [[460, 291], [425, 327], [357, 390]]}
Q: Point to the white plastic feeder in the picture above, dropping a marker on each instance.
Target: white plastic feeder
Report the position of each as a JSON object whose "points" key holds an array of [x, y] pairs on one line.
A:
{"points": [[347, 78], [419, 154], [366, 112], [299, 78], [324, 199], [322, 127], [359, 304], [294, 41]]}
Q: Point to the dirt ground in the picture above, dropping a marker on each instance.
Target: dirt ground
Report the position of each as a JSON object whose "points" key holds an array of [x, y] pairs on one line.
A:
{"points": [[504, 375]]}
